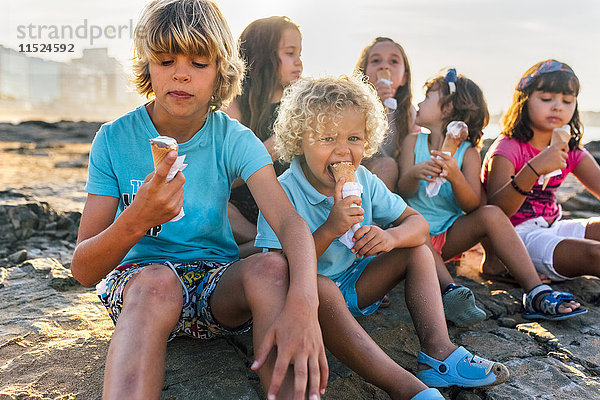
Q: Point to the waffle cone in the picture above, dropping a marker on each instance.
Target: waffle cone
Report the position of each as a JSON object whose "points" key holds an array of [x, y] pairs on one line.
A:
{"points": [[559, 135], [384, 74], [450, 145], [343, 170], [456, 133], [159, 153]]}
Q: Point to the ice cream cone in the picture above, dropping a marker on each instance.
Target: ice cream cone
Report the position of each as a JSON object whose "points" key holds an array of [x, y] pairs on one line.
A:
{"points": [[450, 145], [161, 146], [456, 133], [384, 74], [343, 170], [559, 135], [346, 170]]}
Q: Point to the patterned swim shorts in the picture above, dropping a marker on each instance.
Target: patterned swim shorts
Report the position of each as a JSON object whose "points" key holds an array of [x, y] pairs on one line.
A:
{"points": [[199, 279]]}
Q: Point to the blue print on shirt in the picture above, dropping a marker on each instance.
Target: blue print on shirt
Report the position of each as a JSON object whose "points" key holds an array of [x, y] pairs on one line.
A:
{"points": [[128, 198]]}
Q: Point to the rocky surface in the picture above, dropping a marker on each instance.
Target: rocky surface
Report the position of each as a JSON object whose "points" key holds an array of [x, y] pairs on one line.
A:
{"points": [[54, 334]]}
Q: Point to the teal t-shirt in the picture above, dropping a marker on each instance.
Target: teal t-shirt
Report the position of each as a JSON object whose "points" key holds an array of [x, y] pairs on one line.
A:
{"points": [[220, 152], [381, 206], [442, 210]]}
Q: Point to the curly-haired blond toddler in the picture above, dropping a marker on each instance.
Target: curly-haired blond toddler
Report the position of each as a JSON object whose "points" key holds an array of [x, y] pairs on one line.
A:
{"points": [[327, 121]]}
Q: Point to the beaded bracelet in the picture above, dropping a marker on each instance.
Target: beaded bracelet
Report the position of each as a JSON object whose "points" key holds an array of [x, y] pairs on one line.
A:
{"points": [[517, 188], [534, 171]]}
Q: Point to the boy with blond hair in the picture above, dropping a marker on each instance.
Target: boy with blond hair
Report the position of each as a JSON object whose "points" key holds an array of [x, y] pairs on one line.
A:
{"points": [[161, 278], [322, 123]]}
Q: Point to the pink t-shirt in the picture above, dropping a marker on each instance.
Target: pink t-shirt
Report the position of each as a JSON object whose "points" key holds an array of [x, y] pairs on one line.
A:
{"points": [[541, 203]]}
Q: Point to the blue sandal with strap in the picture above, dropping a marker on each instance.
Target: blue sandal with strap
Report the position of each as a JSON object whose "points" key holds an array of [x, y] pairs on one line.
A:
{"points": [[548, 308], [461, 368]]}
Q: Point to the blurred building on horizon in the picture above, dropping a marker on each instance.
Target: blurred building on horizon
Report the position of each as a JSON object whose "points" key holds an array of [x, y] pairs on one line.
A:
{"points": [[93, 87]]}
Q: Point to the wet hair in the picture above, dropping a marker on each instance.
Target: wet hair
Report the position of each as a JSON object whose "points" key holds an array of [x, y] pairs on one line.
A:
{"points": [[189, 27], [309, 104], [402, 114], [467, 104], [259, 48], [516, 122]]}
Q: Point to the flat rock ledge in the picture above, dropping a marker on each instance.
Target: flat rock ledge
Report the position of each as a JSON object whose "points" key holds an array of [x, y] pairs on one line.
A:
{"points": [[54, 333]]}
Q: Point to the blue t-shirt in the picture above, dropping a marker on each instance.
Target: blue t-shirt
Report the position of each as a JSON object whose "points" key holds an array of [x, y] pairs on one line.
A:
{"points": [[381, 207], [442, 210], [220, 152]]}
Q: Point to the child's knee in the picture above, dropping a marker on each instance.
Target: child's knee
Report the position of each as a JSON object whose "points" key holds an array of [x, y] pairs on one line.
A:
{"points": [[331, 300], [492, 215], [154, 286], [421, 257], [594, 254], [327, 288], [269, 268], [422, 253]]}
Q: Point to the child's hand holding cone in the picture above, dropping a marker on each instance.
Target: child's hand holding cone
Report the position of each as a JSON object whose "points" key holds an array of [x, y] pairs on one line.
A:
{"points": [[384, 89], [456, 133], [559, 135], [351, 188], [161, 147], [157, 202]]}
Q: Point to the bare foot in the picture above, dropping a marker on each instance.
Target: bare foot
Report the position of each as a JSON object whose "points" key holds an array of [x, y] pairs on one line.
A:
{"points": [[568, 307], [492, 266]]}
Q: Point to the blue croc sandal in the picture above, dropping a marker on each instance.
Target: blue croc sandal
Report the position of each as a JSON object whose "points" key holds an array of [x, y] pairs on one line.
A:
{"points": [[429, 394], [548, 308], [461, 368], [459, 306]]}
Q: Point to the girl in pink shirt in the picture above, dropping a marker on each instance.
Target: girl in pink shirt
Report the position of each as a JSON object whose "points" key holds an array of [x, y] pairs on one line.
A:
{"points": [[514, 168]]}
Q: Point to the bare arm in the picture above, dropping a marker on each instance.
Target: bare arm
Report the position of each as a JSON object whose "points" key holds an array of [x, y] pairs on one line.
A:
{"points": [[102, 243], [296, 332], [323, 238], [499, 189], [466, 185], [588, 173], [291, 230], [410, 230], [410, 173]]}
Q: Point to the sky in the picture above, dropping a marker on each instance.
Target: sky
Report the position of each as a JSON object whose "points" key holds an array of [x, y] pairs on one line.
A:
{"points": [[491, 42]]}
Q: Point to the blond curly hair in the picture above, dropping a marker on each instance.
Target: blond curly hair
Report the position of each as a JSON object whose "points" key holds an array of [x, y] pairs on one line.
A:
{"points": [[191, 27], [310, 103]]}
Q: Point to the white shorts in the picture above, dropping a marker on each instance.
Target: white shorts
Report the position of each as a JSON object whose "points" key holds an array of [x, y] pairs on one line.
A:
{"points": [[541, 240]]}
